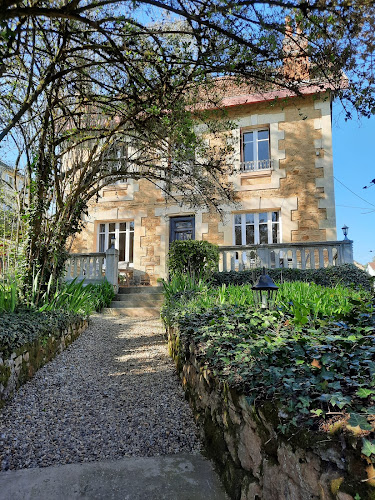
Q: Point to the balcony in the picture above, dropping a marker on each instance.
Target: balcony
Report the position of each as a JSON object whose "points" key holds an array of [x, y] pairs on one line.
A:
{"points": [[312, 255], [256, 166]]}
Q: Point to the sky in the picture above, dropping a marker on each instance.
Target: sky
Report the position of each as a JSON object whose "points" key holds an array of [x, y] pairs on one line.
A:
{"points": [[354, 168]]}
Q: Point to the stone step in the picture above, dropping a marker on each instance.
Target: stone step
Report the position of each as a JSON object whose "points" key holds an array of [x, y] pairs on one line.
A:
{"points": [[140, 289], [139, 298], [133, 312]]}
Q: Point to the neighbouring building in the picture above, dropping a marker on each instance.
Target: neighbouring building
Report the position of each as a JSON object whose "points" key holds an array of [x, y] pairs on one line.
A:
{"points": [[370, 268]]}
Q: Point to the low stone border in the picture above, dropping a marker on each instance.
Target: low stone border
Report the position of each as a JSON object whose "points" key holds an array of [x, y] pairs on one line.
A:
{"points": [[26, 361], [255, 462]]}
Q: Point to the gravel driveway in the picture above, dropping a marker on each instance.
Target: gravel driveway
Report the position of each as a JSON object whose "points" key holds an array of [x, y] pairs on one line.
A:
{"points": [[113, 393]]}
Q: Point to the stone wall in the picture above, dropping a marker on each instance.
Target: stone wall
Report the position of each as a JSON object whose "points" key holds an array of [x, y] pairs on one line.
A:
{"points": [[254, 461], [26, 361]]}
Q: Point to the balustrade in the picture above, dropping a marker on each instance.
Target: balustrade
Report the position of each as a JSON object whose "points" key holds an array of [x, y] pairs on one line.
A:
{"points": [[254, 166], [93, 267], [286, 255]]}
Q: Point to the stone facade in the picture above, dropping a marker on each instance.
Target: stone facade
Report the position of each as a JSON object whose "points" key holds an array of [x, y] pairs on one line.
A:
{"points": [[25, 362], [299, 186], [254, 460]]}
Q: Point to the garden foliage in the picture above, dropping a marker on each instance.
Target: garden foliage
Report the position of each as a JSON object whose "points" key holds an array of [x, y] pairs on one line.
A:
{"points": [[79, 298], [25, 326], [347, 275], [196, 258], [310, 365]]}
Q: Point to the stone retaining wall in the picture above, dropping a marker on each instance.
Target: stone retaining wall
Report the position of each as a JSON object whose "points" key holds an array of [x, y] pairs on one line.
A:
{"points": [[257, 463], [25, 361]]}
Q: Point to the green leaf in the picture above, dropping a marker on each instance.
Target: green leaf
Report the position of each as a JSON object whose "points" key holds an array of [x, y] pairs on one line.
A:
{"points": [[357, 420], [368, 447], [364, 393]]}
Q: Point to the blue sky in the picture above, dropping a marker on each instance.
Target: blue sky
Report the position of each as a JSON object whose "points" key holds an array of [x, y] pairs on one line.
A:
{"points": [[354, 167]]}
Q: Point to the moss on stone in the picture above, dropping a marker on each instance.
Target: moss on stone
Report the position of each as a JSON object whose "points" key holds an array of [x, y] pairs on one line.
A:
{"points": [[4, 375]]}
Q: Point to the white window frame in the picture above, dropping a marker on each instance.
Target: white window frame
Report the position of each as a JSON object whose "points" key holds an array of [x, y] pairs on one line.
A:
{"points": [[117, 231], [270, 222], [258, 165]]}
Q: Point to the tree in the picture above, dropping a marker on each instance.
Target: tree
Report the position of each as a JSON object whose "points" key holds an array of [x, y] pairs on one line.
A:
{"points": [[79, 78]]}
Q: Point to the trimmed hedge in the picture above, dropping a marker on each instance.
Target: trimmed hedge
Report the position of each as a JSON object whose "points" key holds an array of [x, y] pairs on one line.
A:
{"points": [[193, 257], [346, 275], [24, 327]]}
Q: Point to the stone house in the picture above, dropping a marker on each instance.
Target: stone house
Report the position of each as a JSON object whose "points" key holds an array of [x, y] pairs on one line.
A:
{"points": [[284, 191]]}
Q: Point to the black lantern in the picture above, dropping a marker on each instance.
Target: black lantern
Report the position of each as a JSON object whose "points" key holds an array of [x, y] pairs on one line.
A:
{"points": [[113, 241], [345, 230], [265, 291]]}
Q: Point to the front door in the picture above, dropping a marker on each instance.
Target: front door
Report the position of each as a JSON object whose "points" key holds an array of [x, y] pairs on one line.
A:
{"points": [[182, 228]]}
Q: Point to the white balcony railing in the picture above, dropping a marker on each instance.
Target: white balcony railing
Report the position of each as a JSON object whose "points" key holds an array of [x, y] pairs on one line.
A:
{"points": [[256, 166], [293, 255], [93, 267]]}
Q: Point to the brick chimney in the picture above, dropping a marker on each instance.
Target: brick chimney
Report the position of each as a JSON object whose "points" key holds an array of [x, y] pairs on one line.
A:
{"points": [[296, 64]]}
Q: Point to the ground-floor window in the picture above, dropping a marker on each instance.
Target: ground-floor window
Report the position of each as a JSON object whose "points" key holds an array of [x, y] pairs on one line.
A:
{"points": [[255, 228], [123, 233]]}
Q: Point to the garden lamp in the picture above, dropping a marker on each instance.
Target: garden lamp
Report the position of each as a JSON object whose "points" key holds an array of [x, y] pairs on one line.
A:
{"points": [[265, 291], [113, 241], [345, 230]]}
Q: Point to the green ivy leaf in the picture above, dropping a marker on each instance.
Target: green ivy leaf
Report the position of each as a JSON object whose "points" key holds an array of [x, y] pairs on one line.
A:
{"points": [[368, 447], [364, 393], [357, 420]]}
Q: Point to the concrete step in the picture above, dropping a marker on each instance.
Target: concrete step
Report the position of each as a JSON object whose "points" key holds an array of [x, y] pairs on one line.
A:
{"points": [[139, 298], [171, 477], [133, 312], [139, 289]]}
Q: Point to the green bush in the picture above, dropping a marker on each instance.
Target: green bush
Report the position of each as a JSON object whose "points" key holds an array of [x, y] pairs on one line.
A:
{"points": [[196, 258], [25, 326], [346, 275]]}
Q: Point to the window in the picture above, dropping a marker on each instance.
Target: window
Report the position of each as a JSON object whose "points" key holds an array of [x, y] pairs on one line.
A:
{"points": [[255, 150], [123, 232], [256, 228]]}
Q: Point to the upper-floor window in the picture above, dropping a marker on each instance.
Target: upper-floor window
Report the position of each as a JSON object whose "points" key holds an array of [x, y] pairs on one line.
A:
{"points": [[255, 150], [257, 228]]}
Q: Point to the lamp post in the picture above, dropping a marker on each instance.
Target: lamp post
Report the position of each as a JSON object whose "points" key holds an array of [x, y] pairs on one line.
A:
{"points": [[113, 241], [345, 230], [265, 291]]}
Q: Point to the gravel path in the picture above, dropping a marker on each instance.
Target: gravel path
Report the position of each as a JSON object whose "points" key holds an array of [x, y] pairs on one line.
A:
{"points": [[113, 393]]}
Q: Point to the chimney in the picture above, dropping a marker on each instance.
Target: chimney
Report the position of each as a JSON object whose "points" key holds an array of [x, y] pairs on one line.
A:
{"points": [[296, 65]]}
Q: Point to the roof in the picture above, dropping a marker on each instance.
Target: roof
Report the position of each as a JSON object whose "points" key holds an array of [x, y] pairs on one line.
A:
{"points": [[231, 91]]}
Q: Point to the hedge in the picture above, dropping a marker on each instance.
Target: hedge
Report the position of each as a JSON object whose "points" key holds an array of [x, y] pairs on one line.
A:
{"points": [[193, 257], [347, 275]]}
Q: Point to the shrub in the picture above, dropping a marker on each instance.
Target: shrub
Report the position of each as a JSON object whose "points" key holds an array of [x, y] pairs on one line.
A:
{"points": [[346, 275], [196, 258], [25, 326]]}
